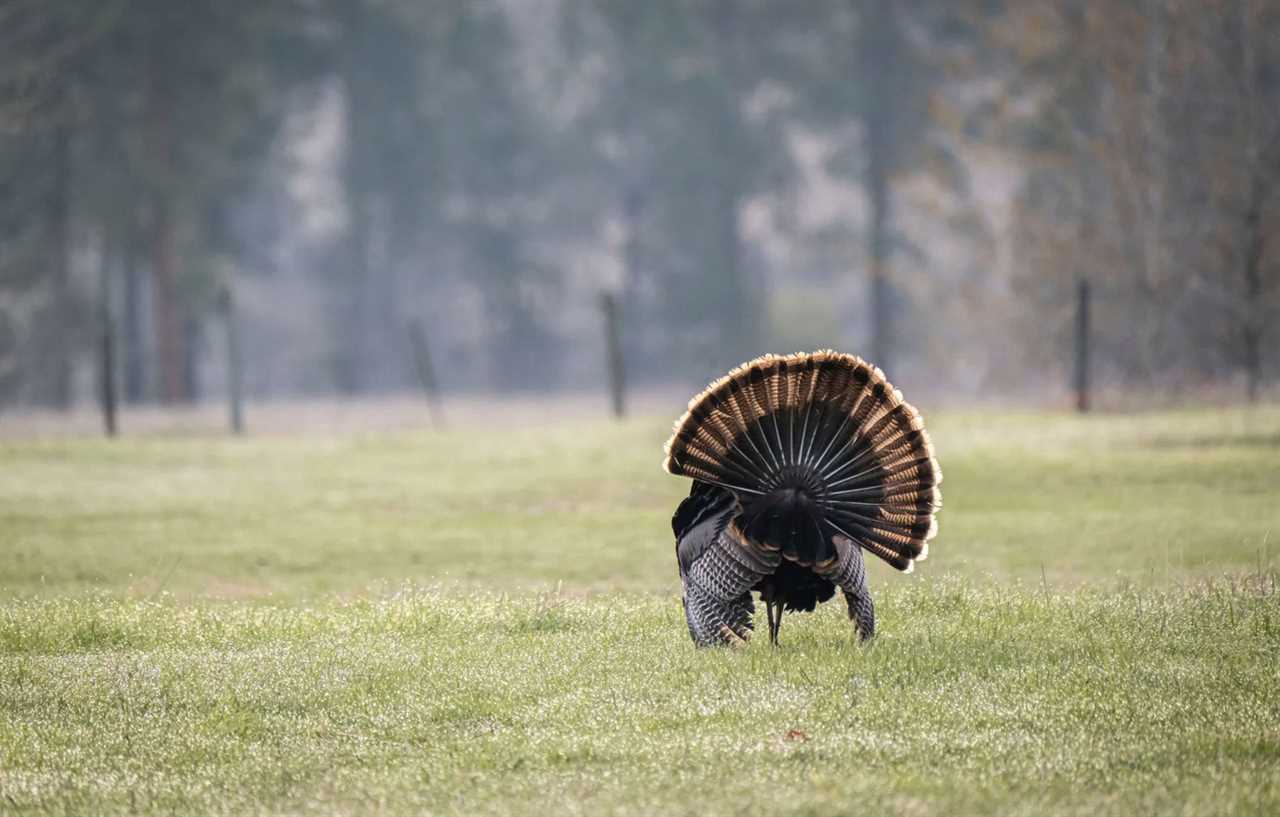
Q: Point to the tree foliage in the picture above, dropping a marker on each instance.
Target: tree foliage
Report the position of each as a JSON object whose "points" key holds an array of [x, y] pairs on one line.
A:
{"points": [[743, 173]]}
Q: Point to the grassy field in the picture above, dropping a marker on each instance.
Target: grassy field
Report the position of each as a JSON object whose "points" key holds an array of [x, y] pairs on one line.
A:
{"points": [[465, 623]]}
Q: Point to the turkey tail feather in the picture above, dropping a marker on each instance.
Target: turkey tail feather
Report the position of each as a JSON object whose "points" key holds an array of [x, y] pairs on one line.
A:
{"points": [[815, 446]]}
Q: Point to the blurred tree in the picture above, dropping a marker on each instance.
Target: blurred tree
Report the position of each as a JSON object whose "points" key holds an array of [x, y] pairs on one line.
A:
{"points": [[43, 44], [439, 164], [378, 70], [214, 79], [614, 46], [1173, 223], [671, 121], [891, 85], [494, 165], [501, 187], [869, 80], [1232, 61], [1052, 59], [150, 111]]}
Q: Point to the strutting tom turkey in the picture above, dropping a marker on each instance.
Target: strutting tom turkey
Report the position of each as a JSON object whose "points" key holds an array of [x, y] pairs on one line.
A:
{"points": [[799, 465]]}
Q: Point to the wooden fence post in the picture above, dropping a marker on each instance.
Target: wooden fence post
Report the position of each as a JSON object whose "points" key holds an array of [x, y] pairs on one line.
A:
{"points": [[613, 353], [235, 375], [107, 374], [1082, 346], [107, 347], [426, 372]]}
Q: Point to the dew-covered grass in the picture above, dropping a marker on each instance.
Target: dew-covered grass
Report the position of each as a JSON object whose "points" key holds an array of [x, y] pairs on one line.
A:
{"points": [[461, 623]]}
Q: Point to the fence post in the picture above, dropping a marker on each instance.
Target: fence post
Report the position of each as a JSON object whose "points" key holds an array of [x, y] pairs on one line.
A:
{"points": [[426, 372], [106, 349], [235, 375], [1082, 346], [613, 353], [107, 375]]}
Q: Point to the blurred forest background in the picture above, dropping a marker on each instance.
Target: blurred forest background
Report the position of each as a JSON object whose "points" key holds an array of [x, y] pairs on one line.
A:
{"points": [[367, 189]]}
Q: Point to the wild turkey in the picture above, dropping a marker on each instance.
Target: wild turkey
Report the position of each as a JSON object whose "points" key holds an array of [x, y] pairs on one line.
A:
{"points": [[799, 464]]}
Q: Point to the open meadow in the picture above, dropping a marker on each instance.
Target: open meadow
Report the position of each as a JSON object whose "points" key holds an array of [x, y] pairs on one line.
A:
{"points": [[473, 621]]}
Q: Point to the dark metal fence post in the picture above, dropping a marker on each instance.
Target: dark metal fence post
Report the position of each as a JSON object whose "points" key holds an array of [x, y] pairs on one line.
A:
{"points": [[107, 350], [107, 373], [1082, 346]]}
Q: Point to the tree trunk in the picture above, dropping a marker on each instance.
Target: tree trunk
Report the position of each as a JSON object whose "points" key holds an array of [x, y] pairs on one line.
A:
{"points": [[613, 354], [738, 324], [135, 372], [63, 344], [352, 358], [738, 321], [1153, 165], [632, 202], [167, 324], [878, 256], [1261, 176], [880, 41], [191, 358], [235, 376], [1254, 317], [632, 271], [106, 329]]}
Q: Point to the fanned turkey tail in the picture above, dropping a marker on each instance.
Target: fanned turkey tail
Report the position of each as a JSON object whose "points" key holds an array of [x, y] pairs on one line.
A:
{"points": [[812, 458], [814, 446]]}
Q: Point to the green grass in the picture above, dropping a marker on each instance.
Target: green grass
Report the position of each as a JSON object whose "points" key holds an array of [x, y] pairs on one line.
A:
{"points": [[455, 623]]}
